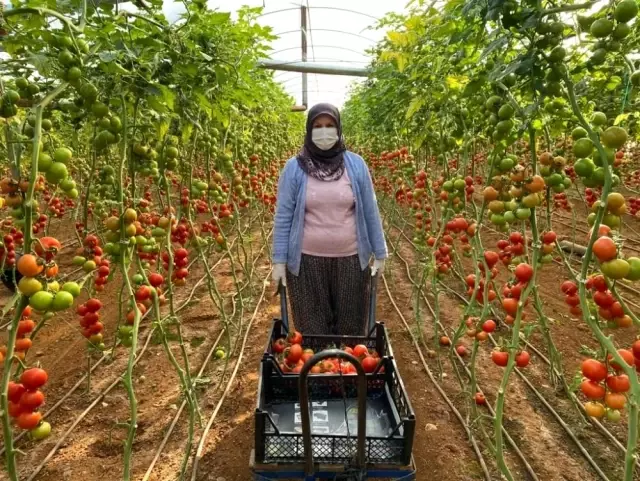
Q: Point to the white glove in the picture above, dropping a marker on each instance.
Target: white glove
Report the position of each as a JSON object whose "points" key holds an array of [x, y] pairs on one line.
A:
{"points": [[378, 267], [280, 274]]}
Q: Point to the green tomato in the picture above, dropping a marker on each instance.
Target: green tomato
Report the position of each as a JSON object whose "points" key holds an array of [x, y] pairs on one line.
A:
{"points": [[61, 301], [72, 288], [41, 301], [41, 431], [634, 268]]}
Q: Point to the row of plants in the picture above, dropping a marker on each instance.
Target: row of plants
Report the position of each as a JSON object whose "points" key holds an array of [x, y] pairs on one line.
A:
{"points": [[510, 113], [158, 143]]}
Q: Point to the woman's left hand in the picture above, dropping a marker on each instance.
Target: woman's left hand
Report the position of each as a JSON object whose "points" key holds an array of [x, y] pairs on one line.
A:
{"points": [[378, 267]]}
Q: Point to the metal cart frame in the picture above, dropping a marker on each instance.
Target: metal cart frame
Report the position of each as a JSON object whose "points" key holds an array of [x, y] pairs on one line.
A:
{"points": [[310, 470]]}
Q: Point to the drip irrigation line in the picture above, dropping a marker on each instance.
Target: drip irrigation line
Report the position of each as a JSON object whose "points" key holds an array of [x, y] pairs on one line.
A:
{"points": [[442, 393], [542, 399], [84, 377], [184, 402], [203, 437], [593, 420], [174, 422], [53, 408], [84, 413], [608, 434], [510, 440]]}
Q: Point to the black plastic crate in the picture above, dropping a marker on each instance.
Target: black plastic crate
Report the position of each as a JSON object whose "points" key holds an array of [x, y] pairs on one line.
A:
{"points": [[390, 417]]}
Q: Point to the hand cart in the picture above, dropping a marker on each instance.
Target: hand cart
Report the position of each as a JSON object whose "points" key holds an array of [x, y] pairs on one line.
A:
{"points": [[308, 439]]}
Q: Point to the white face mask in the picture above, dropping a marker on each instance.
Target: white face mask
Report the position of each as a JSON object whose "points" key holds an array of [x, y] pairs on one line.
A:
{"points": [[324, 137]]}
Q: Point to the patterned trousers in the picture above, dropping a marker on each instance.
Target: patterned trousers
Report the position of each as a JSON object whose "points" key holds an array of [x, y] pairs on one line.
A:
{"points": [[330, 296]]}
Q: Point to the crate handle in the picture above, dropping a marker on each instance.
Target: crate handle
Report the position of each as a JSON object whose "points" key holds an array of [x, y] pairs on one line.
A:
{"points": [[303, 386], [284, 313], [373, 290]]}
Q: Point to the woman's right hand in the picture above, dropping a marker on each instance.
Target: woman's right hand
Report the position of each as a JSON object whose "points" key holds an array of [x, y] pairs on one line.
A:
{"points": [[280, 274]]}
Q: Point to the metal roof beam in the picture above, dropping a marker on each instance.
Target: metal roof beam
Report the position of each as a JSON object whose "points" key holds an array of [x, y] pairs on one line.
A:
{"points": [[314, 67]]}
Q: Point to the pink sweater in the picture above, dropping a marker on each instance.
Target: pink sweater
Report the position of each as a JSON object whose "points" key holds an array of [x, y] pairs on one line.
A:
{"points": [[330, 219]]}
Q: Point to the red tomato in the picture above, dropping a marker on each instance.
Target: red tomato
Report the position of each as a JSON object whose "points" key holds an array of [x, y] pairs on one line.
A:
{"points": [[34, 378], [510, 305], [28, 420], [598, 283], [26, 326], [369, 364], [156, 279], [618, 383], [360, 351], [592, 390], [32, 400], [480, 399], [14, 409], [15, 391], [500, 357], [603, 299], [491, 258], [594, 370], [516, 238], [461, 350], [294, 337], [522, 359], [549, 237], [572, 301], [278, 346], [636, 348], [604, 248], [524, 272], [143, 293], [569, 288], [489, 325], [626, 355], [293, 353], [182, 273], [93, 305], [181, 253]]}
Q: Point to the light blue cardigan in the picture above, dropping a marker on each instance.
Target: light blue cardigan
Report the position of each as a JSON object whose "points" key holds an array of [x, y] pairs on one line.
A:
{"points": [[290, 209]]}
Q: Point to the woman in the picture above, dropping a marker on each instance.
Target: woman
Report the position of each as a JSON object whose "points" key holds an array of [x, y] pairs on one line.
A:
{"points": [[327, 228]]}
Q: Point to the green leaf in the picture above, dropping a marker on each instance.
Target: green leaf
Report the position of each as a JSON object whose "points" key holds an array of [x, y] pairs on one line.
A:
{"points": [[457, 82], [415, 105], [187, 128], [621, 118], [204, 103]]}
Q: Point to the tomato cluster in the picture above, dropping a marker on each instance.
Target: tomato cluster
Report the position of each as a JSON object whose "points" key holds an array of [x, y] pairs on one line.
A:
{"points": [[25, 397], [93, 329], [8, 248], [612, 264], [608, 308], [59, 207], [514, 246], [180, 263], [292, 357], [634, 205], [501, 358], [561, 201], [605, 385], [457, 226], [590, 196], [479, 330], [181, 232]]}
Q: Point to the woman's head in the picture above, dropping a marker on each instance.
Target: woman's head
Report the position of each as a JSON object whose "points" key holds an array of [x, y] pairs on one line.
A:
{"points": [[322, 154], [323, 126]]}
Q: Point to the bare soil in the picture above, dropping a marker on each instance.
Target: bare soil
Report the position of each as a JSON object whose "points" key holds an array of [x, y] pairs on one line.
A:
{"points": [[93, 449]]}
